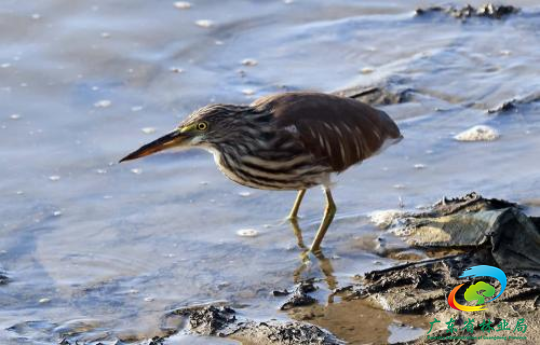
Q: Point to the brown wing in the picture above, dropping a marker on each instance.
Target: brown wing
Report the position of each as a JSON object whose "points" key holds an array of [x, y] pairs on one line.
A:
{"points": [[339, 131]]}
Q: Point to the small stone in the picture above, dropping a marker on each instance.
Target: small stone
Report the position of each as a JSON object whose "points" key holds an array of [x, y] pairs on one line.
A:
{"points": [[36, 16], [136, 171], [105, 35], [478, 133], [5, 65], [57, 213], [247, 233], [136, 108], [176, 70], [101, 171], [367, 70], [399, 186], [204, 23], [419, 166], [54, 177], [248, 92], [182, 5], [15, 116], [148, 130], [249, 62], [219, 43], [95, 88], [104, 103], [19, 192], [44, 300], [149, 299], [245, 194]]}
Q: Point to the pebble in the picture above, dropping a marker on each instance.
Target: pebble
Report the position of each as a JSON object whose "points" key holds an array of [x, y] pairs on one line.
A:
{"points": [[105, 35], [149, 299], [478, 133], [136, 171], [57, 213], [54, 177], [182, 5], [36, 16], [5, 65], [367, 70], [249, 62], [15, 116], [245, 194], [101, 171], [136, 108], [148, 130], [176, 70], [247, 233], [44, 300], [248, 92], [419, 166], [104, 103], [204, 23]]}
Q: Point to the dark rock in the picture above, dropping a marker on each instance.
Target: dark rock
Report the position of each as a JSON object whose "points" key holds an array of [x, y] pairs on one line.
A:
{"points": [[485, 11], [474, 222], [279, 293], [300, 297], [222, 321]]}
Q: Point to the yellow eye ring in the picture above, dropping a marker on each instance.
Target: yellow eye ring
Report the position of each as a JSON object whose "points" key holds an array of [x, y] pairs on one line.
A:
{"points": [[202, 126]]}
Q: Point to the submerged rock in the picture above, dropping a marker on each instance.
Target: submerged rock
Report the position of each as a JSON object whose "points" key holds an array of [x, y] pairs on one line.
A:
{"points": [[3, 278], [514, 103], [486, 11], [377, 95], [301, 295]]}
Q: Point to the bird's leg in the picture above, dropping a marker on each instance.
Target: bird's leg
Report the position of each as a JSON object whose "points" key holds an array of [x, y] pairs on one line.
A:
{"points": [[329, 213], [294, 212]]}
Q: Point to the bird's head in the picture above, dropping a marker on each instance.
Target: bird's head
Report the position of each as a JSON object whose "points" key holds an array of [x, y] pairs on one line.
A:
{"points": [[205, 128]]}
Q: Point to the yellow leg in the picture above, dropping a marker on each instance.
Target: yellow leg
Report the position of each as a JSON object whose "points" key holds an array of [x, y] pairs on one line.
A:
{"points": [[294, 212], [329, 213]]}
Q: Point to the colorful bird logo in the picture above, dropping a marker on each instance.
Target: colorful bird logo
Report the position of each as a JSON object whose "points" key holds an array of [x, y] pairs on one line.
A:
{"points": [[477, 292]]}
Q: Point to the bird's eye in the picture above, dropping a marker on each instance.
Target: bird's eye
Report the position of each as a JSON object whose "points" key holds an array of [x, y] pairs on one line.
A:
{"points": [[202, 126]]}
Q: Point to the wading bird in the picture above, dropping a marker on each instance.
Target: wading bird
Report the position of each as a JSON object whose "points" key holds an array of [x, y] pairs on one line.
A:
{"points": [[290, 141]]}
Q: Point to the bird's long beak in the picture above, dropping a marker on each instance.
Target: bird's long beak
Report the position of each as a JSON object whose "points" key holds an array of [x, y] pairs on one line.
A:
{"points": [[168, 141]]}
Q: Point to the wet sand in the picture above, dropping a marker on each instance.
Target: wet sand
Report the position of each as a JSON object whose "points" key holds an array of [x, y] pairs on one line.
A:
{"points": [[94, 250]]}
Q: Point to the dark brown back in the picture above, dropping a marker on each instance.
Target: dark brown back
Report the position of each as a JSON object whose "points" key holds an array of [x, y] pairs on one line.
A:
{"points": [[340, 131]]}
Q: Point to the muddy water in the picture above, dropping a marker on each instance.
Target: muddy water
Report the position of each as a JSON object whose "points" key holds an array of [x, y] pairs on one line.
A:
{"points": [[96, 250]]}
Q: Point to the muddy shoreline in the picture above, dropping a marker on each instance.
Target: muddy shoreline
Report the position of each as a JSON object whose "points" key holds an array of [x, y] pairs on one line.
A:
{"points": [[408, 295]]}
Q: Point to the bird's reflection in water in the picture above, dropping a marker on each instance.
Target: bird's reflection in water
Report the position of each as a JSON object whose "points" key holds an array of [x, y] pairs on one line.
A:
{"points": [[325, 265]]}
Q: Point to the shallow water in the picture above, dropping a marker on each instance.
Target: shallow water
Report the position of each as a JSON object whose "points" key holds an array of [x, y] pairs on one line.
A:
{"points": [[96, 250]]}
